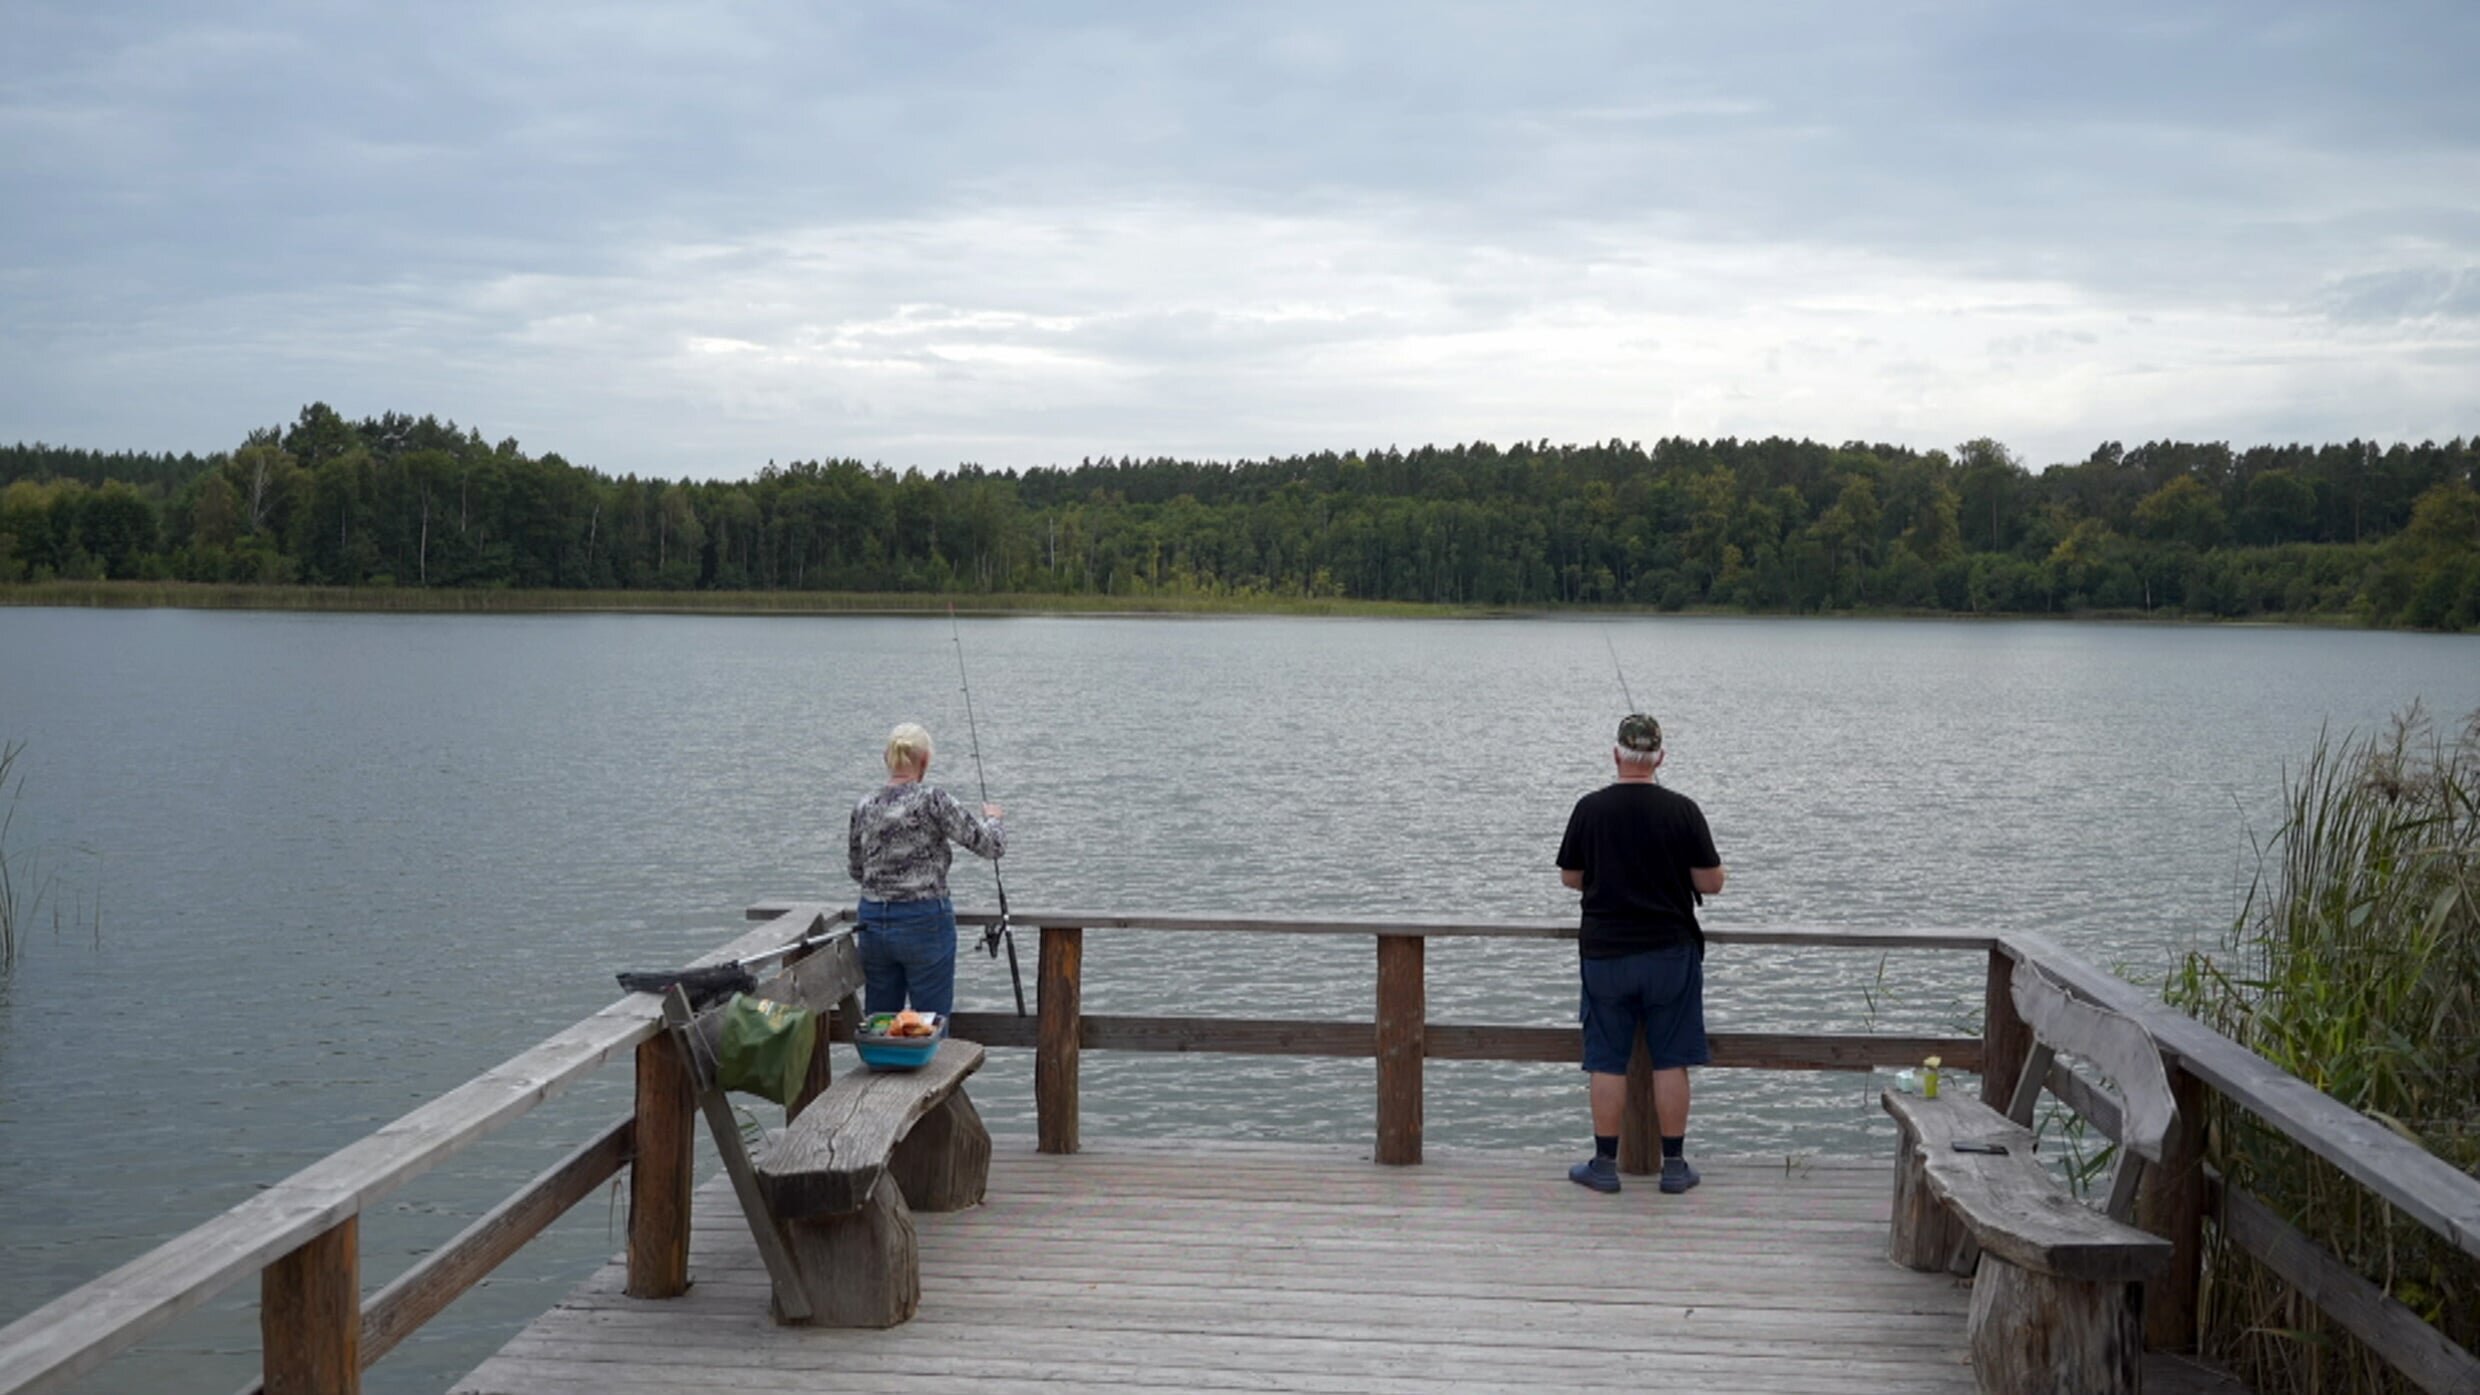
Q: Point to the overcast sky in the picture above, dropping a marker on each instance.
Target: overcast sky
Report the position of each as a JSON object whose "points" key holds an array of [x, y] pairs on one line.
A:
{"points": [[687, 239]]}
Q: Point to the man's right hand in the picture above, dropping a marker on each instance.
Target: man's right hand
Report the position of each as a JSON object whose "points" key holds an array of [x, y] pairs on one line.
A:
{"points": [[992, 811]]}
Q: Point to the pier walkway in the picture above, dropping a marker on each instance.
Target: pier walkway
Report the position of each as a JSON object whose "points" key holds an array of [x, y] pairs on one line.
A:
{"points": [[1382, 1265], [1203, 1267]]}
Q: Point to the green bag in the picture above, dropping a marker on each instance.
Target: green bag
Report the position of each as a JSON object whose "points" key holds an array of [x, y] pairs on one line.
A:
{"points": [[764, 1048]]}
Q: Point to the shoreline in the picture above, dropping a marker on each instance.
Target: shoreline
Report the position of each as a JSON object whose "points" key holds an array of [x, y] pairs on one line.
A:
{"points": [[184, 595]]}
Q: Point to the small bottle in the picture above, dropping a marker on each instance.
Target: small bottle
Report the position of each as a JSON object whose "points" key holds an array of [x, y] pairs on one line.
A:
{"points": [[1907, 1081], [1928, 1078]]}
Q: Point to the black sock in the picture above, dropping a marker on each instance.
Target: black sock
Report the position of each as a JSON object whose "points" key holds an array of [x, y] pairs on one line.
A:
{"points": [[1671, 1146], [1605, 1145]]}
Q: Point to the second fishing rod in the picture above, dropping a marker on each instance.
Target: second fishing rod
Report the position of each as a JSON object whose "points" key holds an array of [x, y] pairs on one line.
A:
{"points": [[1000, 932]]}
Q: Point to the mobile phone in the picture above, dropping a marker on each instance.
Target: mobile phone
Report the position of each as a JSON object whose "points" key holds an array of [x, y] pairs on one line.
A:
{"points": [[1967, 1145]]}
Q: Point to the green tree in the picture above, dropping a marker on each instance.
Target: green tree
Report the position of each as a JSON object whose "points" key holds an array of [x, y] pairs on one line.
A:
{"points": [[118, 528], [2182, 511], [2280, 507]]}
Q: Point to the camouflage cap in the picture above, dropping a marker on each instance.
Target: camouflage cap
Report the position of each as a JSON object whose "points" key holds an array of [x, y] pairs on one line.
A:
{"points": [[1638, 732]]}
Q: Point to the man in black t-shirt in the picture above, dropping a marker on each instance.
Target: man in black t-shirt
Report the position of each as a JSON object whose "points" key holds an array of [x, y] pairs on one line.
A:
{"points": [[1644, 859]]}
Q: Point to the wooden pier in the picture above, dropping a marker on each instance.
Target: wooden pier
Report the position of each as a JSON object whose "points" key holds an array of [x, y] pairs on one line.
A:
{"points": [[1176, 1267], [1376, 1265]]}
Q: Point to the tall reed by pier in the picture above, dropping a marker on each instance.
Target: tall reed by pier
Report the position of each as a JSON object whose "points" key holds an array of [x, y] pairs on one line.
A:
{"points": [[2355, 965], [13, 910]]}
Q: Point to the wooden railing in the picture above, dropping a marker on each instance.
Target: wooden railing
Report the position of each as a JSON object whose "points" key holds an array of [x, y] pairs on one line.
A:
{"points": [[2181, 1194], [301, 1235], [1399, 1034], [318, 1332]]}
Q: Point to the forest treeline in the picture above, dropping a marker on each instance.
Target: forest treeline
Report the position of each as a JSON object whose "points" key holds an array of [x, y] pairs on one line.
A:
{"points": [[2384, 535]]}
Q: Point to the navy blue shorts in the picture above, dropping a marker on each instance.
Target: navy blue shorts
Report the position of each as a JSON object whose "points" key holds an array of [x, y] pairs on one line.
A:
{"points": [[1662, 990]]}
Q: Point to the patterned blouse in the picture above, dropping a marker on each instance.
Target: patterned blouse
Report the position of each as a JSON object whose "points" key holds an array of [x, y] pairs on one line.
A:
{"points": [[900, 836]]}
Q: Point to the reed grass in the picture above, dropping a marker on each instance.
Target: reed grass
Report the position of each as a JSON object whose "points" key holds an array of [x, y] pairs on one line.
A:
{"points": [[16, 900], [2355, 965]]}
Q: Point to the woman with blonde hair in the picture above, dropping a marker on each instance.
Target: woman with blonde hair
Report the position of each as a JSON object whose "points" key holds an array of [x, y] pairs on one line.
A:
{"points": [[907, 934]]}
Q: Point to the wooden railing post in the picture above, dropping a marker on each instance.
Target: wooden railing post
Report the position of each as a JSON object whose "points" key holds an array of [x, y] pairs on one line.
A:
{"points": [[1403, 1038], [1059, 1022], [661, 1177], [2171, 1205], [1640, 1130], [2005, 1040], [310, 1315]]}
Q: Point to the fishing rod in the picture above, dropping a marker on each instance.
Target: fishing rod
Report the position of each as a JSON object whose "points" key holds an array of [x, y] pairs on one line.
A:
{"points": [[1001, 932], [715, 982], [1622, 672]]}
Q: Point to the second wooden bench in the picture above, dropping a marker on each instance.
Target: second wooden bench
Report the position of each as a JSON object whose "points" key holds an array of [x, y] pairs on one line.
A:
{"points": [[2058, 1296]]}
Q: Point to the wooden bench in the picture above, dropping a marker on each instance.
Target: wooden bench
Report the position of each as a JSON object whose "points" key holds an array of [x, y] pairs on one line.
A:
{"points": [[845, 1178], [831, 1204], [2058, 1296]]}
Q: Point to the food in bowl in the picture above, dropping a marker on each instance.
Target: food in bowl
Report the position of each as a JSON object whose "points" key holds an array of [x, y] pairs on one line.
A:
{"points": [[908, 1025]]}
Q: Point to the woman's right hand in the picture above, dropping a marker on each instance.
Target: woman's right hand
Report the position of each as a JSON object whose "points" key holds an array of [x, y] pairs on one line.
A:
{"points": [[992, 811]]}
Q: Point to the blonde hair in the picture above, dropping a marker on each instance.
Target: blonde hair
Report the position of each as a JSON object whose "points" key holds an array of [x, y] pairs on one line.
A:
{"points": [[908, 745]]}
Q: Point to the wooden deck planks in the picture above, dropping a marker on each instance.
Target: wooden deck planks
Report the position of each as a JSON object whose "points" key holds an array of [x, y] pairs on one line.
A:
{"points": [[1134, 1267]]}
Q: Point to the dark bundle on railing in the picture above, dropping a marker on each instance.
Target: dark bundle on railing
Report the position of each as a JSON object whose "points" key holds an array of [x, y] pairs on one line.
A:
{"points": [[708, 984]]}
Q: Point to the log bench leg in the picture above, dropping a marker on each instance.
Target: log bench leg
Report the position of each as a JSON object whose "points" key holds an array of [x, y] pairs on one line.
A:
{"points": [[2037, 1334], [862, 1269], [1925, 1235], [944, 1163]]}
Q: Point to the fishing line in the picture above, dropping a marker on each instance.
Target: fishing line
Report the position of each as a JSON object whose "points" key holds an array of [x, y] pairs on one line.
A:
{"points": [[1001, 931], [1622, 672]]}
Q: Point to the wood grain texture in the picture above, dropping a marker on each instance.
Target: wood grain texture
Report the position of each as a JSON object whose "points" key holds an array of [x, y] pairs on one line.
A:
{"points": [[943, 1164], [1059, 1026], [2173, 1207], [1400, 1040], [2010, 1204], [310, 1316], [78, 1331], [1922, 1234], [2005, 1040], [664, 1172], [2115, 1044], [829, 1161], [2425, 1356], [819, 979], [2425, 1187], [2040, 1334], [1563, 928], [861, 1267], [426, 1289], [1640, 1130], [1449, 1041], [1198, 1266], [792, 1301]]}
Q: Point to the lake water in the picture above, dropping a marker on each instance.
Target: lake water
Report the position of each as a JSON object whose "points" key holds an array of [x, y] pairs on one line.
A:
{"points": [[310, 871]]}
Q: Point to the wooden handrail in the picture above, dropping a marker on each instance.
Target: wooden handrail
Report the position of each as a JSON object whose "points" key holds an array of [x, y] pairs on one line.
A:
{"points": [[73, 1334], [2419, 1183], [1814, 937]]}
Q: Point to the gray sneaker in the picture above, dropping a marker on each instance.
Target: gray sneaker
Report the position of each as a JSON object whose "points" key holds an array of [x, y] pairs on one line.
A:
{"points": [[1677, 1176], [1601, 1174]]}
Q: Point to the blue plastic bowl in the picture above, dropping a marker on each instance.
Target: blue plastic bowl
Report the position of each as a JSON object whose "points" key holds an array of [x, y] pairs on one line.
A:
{"points": [[882, 1052]]}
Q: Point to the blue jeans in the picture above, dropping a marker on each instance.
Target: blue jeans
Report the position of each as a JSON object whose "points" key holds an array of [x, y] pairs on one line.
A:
{"points": [[908, 950]]}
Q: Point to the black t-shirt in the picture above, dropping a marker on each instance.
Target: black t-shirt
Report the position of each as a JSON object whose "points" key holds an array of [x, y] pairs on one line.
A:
{"points": [[1635, 844]]}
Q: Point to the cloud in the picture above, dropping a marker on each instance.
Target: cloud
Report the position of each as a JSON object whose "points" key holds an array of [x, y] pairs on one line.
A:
{"points": [[686, 239], [2409, 294]]}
